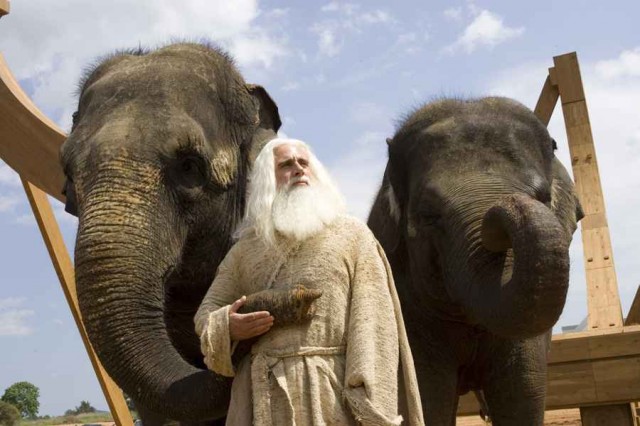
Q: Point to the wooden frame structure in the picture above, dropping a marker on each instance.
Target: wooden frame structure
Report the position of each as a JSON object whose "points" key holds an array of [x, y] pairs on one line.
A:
{"points": [[30, 144], [597, 370], [599, 367]]}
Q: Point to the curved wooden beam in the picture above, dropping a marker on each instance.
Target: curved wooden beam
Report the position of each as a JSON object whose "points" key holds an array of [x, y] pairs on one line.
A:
{"points": [[5, 6], [29, 141]]}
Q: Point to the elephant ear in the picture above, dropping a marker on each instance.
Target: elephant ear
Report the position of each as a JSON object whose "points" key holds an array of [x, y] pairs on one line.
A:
{"points": [[385, 219], [564, 201], [268, 119]]}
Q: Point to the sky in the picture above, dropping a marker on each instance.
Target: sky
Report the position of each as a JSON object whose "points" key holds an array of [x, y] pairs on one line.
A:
{"points": [[343, 74]]}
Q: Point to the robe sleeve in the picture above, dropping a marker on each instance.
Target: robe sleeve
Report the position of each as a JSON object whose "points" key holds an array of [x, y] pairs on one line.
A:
{"points": [[377, 346], [212, 318]]}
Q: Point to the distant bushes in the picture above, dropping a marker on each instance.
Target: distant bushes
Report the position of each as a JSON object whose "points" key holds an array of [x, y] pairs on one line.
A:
{"points": [[9, 414], [83, 408]]}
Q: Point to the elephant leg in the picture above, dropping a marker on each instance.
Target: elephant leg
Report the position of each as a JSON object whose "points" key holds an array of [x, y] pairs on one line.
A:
{"points": [[150, 418], [437, 371], [515, 385]]}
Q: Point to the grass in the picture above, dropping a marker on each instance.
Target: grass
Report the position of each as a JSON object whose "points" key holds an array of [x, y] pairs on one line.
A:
{"points": [[79, 419]]}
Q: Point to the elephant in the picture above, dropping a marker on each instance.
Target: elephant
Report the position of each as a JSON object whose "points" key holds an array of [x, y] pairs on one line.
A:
{"points": [[156, 168], [476, 214]]}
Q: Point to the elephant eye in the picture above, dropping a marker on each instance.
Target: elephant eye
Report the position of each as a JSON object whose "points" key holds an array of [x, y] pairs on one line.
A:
{"points": [[192, 171], [188, 172], [429, 219]]}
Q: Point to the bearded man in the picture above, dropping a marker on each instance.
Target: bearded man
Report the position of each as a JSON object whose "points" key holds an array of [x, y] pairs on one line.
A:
{"points": [[350, 363]]}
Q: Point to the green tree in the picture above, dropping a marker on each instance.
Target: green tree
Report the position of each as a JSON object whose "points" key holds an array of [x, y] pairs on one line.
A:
{"points": [[9, 414], [24, 396], [85, 407]]}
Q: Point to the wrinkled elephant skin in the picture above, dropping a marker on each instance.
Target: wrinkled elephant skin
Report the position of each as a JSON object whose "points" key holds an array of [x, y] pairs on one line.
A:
{"points": [[476, 215], [156, 167]]}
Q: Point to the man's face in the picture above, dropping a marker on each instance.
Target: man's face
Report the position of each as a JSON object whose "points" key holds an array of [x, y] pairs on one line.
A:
{"points": [[292, 166]]}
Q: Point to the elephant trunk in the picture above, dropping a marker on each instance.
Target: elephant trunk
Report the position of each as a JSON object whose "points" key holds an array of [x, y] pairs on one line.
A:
{"points": [[123, 255], [526, 299]]}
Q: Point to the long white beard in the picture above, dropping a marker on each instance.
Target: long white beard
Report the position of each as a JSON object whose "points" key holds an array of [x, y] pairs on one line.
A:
{"points": [[299, 212]]}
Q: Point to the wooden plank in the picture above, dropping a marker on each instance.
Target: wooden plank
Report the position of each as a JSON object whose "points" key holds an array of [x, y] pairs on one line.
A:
{"points": [[579, 384], [547, 101], [65, 271], [568, 78], [5, 7], [619, 415], [29, 141], [588, 368], [604, 308], [633, 317], [571, 385]]}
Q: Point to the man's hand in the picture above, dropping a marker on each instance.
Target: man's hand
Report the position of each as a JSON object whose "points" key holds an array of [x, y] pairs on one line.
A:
{"points": [[246, 326]]}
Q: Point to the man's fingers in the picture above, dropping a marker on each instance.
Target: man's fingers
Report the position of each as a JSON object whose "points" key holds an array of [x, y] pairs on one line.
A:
{"points": [[253, 316], [261, 322], [236, 305]]}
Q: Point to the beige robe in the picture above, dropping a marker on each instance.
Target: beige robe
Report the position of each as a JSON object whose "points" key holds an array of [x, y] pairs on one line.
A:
{"points": [[351, 362]]}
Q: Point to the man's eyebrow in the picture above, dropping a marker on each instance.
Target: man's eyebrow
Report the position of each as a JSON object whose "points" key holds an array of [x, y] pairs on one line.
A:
{"points": [[286, 162]]}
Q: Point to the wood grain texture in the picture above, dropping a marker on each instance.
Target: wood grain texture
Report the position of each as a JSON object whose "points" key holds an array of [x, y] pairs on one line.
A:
{"points": [[29, 141], [604, 308]]}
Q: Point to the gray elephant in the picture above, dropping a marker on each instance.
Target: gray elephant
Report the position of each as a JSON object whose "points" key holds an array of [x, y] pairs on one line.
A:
{"points": [[476, 215], [156, 167]]}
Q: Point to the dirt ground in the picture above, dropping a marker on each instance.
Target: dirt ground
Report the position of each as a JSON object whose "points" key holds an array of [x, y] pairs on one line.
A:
{"points": [[552, 418]]}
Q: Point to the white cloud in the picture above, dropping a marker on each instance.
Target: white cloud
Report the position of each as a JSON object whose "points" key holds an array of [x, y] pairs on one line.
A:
{"points": [[277, 13], [9, 202], [626, 65], [51, 56], [13, 319], [11, 302], [369, 113], [328, 43], [346, 8], [453, 13], [375, 17], [26, 219], [347, 18], [290, 86], [360, 184], [613, 100], [487, 29], [8, 176], [257, 49]]}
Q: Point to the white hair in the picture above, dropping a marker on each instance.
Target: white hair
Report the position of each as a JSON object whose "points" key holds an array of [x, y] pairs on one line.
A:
{"points": [[302, 212]]}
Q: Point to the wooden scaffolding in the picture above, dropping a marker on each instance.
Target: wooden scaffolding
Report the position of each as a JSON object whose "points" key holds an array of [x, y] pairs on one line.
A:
{"points": [[597, 370]]}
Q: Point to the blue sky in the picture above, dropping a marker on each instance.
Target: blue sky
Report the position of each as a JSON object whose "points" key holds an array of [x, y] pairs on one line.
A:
{"points": [[342, 74]]}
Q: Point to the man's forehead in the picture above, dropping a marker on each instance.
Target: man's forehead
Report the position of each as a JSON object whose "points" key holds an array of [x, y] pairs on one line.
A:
{"points": [[287, 150]]}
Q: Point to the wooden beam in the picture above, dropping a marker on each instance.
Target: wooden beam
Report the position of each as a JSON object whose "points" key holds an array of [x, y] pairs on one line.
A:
{"points": [[604, 309], [619, 415], [547, 101], [29, 141], [589, 368], [64, 269], [5, 7], [633, 317]]}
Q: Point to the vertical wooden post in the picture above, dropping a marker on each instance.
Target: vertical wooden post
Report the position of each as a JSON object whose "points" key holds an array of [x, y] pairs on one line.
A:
{"points": [[604, 306], [64, 269]]}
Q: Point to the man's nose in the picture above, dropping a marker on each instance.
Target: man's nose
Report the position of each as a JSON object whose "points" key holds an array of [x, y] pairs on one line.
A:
{"points": [[299, 170]]}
